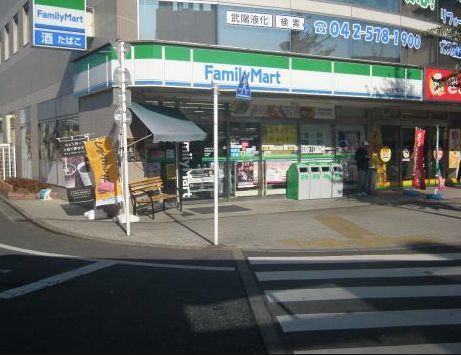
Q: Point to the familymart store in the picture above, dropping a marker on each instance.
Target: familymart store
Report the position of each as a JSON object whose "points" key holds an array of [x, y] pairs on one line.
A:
{"points": [[303, 109]]}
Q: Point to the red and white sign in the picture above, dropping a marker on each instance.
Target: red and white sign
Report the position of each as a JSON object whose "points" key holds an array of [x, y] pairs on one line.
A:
{"points": [[434, 90]]}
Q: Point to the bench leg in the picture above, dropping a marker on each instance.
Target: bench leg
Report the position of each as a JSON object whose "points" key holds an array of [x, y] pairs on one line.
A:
{"points": [[134, 207]]}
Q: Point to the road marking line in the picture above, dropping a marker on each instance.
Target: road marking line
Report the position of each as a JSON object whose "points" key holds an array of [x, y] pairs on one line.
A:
{"points": [[177, 266], [133, 263], [56, 279], [362, 320], [348, 293], [261, 260], [356, 273], [4, 271], [442, 348], [34, 252]]}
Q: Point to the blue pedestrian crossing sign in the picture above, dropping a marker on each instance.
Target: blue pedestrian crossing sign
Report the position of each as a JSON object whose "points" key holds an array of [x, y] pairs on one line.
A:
{"points": [[243, 91]]}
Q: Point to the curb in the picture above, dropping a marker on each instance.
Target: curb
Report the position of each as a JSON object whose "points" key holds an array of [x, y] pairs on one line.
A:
{"points": [[45, 226]]}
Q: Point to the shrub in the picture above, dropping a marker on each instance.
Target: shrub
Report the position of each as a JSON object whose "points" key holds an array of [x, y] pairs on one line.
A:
{"points": [[22, 184]]}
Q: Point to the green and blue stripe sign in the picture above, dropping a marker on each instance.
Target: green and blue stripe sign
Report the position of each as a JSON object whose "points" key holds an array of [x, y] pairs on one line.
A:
{"points": [[59, 24], [153, 64]]}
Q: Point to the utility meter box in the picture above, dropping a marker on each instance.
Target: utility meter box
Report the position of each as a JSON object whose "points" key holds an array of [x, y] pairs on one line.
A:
{"points": [[316, 184], [337, 180], [298, 181], [325, 181]]}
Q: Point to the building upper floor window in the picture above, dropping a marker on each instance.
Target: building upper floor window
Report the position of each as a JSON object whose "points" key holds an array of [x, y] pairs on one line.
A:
{"points": [[25, 24], [15, 38], [6, 41]]}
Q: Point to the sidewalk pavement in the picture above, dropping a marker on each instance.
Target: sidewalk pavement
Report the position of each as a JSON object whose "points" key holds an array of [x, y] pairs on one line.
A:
{"points": [[386, 219]]}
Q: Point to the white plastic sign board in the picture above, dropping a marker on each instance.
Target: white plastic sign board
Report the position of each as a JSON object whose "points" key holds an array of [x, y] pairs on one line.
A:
{"points": [[59, 24]]}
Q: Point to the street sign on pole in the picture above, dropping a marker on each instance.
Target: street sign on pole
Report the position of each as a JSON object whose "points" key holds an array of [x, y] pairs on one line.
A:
{"points": [[243, 91], [59, 24]]}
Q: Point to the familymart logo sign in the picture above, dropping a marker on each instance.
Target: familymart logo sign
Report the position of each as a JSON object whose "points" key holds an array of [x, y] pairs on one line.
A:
{"points": [[59, 24]]}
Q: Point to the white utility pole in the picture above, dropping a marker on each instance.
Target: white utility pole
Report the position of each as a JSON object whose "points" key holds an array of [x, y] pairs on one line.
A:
{"points": [[123, 119], [124, 141], [216, 164]]}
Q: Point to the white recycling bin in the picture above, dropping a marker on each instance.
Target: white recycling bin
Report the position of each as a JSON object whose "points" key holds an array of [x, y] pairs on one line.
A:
{"points": [[325, 181], [337, 185], [315, 174]]}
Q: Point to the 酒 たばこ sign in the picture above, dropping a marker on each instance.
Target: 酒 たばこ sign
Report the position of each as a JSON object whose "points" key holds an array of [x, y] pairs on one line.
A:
{"points": [[59, 24]]}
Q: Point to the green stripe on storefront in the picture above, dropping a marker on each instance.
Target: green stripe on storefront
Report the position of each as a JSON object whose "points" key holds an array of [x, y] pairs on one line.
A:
{"points": [[66, 4], [388, 72], [177, 53], [147, 51], [415, 74], [240, 58], [352, 68], [311, 65]]}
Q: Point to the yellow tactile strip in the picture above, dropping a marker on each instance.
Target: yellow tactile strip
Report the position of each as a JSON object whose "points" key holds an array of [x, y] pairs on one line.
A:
{"points": [[355, 236]]}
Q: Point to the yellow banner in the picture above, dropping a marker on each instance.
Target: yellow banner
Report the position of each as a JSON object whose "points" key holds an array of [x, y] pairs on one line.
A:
{"points": [[104, 166]]}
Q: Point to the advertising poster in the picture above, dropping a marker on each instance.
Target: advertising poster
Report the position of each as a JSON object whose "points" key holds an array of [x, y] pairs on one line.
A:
{"points": [[279, 134], [170, 171], [435, 90], [104, 166], [454, 155], [419, 173], [246, 177], [152, 170], [276, 171], [79, 186]]}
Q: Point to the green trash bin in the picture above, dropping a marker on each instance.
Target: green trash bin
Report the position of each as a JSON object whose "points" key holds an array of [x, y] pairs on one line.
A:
{"points": [[298, 181]]}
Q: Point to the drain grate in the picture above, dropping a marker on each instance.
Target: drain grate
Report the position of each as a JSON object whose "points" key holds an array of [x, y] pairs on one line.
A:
{"points": [[208, 210]]}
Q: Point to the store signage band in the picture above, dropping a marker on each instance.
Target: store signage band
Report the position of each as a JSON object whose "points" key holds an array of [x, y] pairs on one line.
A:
{"points": [[266, 73], [59, 24]]}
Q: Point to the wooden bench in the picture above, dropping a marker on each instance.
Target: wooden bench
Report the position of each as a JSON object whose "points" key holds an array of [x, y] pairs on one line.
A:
{"points": [[148, 191]]}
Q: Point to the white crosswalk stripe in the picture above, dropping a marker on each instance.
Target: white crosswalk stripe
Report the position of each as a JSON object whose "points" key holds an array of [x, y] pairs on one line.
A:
{"points": [[394, 303]]}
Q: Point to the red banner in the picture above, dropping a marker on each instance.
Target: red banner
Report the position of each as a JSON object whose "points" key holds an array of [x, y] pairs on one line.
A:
{"points": [[419, 175], [436, 91]]}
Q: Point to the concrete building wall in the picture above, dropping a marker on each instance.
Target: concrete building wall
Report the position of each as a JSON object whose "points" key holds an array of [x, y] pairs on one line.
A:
{"points": [[96, 114]]}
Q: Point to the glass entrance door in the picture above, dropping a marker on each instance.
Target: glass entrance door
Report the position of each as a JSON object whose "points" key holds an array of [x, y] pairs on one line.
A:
{"points": [[406, 153], [389, 154]]}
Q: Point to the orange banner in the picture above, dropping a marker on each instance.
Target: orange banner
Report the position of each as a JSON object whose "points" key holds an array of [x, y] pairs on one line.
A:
{"points": [[104, 166]]}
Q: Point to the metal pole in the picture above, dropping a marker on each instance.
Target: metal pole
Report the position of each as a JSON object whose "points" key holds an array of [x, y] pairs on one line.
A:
{"points": [[124, 141], [216, 165]]}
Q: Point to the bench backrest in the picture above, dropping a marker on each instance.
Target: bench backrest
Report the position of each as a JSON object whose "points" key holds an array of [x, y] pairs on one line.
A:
{"points": [[149, 184]]}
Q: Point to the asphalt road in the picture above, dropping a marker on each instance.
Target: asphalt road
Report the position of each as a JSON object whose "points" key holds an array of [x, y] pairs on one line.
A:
{"points": [[66, 295]]}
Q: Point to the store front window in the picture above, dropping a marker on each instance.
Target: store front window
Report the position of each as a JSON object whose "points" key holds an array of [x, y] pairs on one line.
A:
{"points": [[50, 169], [244, 158], [348, 138]]}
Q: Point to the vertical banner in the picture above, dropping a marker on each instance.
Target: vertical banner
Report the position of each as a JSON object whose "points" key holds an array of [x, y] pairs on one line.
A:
{"points": [[419, 174], [76, 172], [103, 163]]}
